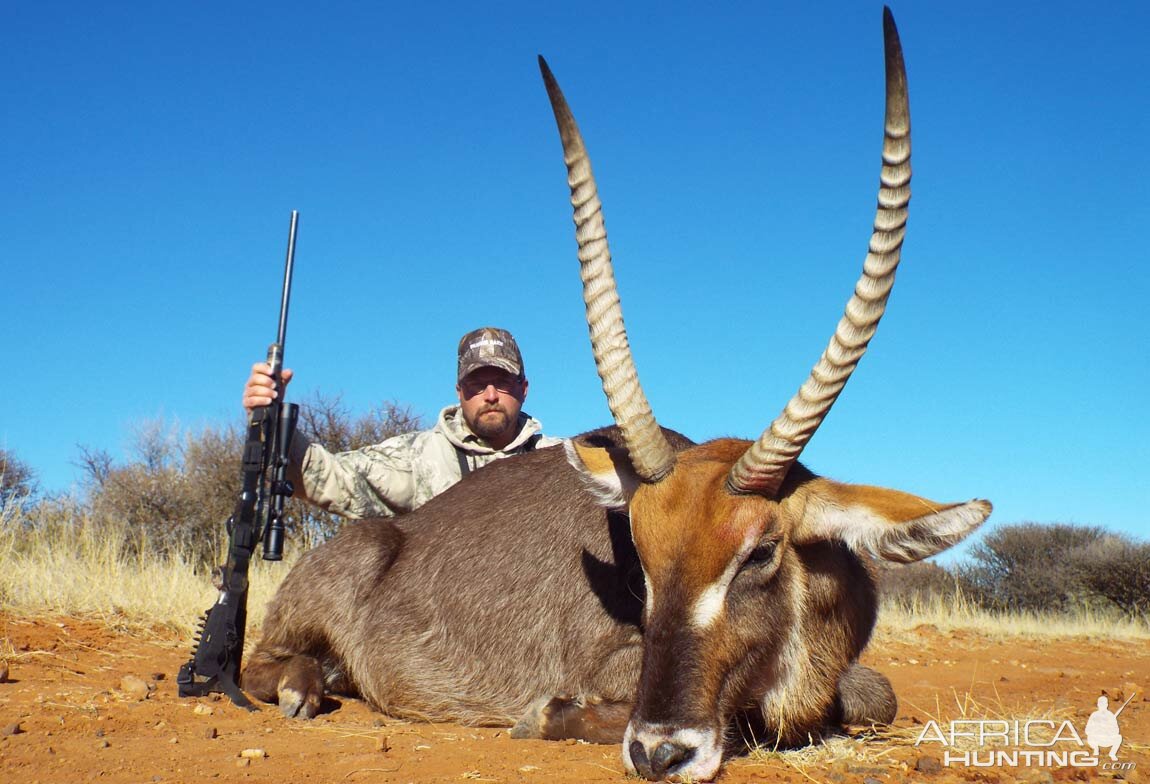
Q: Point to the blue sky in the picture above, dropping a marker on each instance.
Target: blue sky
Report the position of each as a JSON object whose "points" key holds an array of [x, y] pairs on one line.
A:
{"points": [[152, 153]]}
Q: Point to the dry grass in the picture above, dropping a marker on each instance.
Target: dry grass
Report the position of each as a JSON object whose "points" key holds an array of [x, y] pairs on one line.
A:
{"points": [[959, 612], [869, 752], [58, 562]]}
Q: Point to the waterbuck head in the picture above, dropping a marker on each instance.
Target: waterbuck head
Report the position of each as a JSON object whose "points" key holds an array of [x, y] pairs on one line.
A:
{"points": [[756, 593]]}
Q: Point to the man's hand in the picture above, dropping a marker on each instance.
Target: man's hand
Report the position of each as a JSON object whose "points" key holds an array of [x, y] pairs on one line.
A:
{"points": [[261, 387]]}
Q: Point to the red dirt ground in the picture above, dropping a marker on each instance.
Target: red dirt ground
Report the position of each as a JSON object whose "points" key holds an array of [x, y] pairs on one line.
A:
{"points": [[70, 712]]}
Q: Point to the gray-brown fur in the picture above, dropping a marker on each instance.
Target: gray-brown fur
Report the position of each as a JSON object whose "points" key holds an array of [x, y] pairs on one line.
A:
{"points": [[465, 609], [514, 586]]}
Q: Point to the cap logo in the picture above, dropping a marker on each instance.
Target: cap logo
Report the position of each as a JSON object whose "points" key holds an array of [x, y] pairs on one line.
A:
{"points": [[486, 342]]}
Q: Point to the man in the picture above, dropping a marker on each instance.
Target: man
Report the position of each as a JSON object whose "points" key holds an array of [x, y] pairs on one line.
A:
{"points": [[407, 471]]}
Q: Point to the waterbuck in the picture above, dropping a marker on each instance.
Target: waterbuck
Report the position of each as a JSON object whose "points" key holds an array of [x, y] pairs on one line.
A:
{"points": [[630, 586]]}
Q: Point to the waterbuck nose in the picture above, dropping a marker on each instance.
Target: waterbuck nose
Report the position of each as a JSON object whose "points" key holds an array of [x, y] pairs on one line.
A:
{"points": [[666, 756]]}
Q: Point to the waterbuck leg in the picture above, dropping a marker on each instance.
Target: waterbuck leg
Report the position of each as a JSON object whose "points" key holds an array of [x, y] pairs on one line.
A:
{"points": [[592, 719], [865, 696], [295, 682]]}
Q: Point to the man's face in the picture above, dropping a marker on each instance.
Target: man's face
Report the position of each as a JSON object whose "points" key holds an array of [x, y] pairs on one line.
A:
{"points": [[490, 399]]}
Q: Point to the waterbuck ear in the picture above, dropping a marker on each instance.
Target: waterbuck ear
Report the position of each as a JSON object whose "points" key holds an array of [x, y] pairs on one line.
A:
{"points": [[887, 524], [608, 473]]}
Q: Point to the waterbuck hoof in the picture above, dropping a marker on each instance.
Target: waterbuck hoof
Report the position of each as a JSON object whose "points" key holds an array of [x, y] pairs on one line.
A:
{"points": [[293, 704], [588, 718], [300, 688], [531, 724]]}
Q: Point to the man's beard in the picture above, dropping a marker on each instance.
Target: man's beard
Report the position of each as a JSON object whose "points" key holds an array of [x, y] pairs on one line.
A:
{"points": [[486, 426]]}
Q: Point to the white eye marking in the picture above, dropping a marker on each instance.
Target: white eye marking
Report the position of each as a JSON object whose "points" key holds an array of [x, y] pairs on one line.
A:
{"points": [[709, 606], [710, 603]]}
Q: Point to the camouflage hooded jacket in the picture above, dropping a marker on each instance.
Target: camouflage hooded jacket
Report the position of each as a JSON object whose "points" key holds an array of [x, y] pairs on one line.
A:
{"points": [[402, 473]]}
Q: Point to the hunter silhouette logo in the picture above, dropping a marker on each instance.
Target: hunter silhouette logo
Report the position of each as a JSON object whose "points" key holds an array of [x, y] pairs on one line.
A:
{"points": [[1102, 728], [984, 743]]}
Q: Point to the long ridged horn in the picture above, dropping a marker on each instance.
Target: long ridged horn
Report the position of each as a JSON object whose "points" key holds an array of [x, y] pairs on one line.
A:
{"points": [[764, 465], [651, 455]]}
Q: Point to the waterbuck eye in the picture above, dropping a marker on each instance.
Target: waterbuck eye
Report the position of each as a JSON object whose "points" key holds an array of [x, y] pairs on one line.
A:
{"points": [[762, 554]]}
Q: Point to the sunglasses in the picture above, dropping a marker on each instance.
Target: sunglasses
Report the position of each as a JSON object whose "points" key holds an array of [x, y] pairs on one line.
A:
{"points": [[506, 386]]}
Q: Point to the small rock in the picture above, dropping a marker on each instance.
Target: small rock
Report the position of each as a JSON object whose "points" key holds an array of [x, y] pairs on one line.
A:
{"points": [[210, 733], [103, 744], [927, 764], [871, 780], [134, 687], [3, 671], [378, 722], [158, 676], [383, 744], [173, 741], [243, 763], [253, 754], [202, 710], [100, 732], [11, 729]]}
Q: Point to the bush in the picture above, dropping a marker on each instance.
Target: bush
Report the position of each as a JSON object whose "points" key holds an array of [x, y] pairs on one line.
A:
{"points": [[917, 584], [18, 485], [1117, 569], [1058, 567], [178, 490], [175, 492]]}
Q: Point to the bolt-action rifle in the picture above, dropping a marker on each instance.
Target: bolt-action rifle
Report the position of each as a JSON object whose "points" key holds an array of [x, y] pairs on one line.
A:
{"points": [[259, 514]]}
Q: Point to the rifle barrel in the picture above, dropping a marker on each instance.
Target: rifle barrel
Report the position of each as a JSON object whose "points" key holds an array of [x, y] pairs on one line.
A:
{"points": [[282, 334], [276, 350]]}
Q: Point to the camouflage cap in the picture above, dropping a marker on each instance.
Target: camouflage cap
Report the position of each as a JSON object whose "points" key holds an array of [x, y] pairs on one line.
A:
{"points": [[489, 347]]}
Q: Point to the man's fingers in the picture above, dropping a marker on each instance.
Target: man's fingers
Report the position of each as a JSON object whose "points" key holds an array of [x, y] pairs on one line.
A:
{"points": [[262, 376], [261, 387]]}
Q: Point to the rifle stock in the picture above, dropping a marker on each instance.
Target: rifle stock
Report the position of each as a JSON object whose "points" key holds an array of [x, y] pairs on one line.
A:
{"points": [[259, 512]]}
